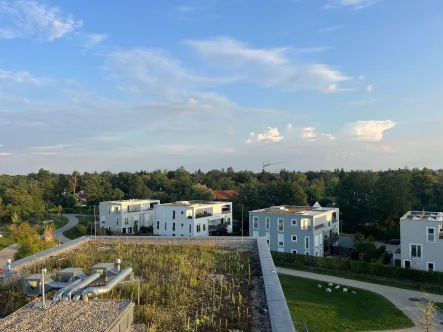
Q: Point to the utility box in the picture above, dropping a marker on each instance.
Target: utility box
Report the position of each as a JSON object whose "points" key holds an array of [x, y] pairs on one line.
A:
{"points": [[70, 274], [32, 284], [107, 271]]}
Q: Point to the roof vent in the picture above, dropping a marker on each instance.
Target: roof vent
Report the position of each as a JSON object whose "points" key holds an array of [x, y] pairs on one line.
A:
{"points": [[278, 208]]}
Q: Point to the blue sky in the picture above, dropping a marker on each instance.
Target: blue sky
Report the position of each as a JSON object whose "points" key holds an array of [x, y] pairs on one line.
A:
{"points": [[316, 84]]}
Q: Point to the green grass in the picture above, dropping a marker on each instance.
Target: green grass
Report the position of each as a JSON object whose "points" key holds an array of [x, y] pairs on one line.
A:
{"points": [[85, 219], [375, 280], [339, 311], [5, 241], [72, 233]]}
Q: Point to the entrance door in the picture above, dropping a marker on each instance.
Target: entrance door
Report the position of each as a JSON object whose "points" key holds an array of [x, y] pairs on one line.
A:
{"points": [[130, 230], [124, 230]]}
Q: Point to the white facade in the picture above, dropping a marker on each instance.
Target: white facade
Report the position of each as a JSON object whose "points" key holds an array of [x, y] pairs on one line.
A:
{"points": [[192, 218], [421, 240], [122, 216]]}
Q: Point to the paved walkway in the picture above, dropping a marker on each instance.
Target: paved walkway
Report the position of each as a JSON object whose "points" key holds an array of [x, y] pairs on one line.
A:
{"points": [[58, 233], [398, 296], [8, 253]]}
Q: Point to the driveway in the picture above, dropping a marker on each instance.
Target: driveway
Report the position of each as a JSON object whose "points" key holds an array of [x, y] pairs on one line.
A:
{"points": [[399, 297], [8, 253], [58, 233]]}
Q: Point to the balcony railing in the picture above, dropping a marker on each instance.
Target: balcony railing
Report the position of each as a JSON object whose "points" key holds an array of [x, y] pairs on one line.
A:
{"points": [[334, 220], [202, 215], [317, 227], [226, 210]]}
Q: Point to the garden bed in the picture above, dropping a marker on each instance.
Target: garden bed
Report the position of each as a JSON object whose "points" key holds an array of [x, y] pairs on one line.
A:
{"points": [[184, 286]]}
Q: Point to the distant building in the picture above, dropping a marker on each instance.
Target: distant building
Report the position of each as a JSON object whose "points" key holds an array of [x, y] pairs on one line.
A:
{"points": [[225, 195], [123, 215], [421, 240], [192, 218], [301, 230]]}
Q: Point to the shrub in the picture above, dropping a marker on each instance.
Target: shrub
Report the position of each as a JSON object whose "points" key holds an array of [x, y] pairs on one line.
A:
{"points": [[82, 229]]}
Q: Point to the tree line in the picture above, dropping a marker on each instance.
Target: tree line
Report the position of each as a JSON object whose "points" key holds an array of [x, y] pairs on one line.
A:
{"points": [[370, 202]]}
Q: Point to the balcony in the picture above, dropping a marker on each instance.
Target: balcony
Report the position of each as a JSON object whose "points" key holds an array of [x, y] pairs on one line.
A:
{"points": [[335, 220], [226, 211], [317, 227], [202, 214]]}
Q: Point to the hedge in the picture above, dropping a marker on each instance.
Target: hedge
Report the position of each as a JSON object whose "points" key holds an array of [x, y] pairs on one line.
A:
{"points": [[372, 269]]}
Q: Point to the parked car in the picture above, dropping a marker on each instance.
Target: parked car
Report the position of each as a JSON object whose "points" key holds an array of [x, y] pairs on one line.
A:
{"points": [[393, 241]]}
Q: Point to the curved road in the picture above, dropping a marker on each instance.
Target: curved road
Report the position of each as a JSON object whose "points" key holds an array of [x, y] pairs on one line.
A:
{"points": [[58, 233], [398, 296], [8, 253]]}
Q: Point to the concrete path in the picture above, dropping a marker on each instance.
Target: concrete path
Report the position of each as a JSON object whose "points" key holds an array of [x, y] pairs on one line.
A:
{"points": [[399, 297], [8, 253], [58, 233]]}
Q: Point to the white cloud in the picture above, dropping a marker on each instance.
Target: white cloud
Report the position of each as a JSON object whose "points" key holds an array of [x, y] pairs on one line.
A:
{"points": [[331, 28], [368, 130], [370, 88], [90, 40], [270, 135], [288, 126], [330, 88], [4, 154], [309, 134], [30, 19], [353, 4], [18, 77], [268, 67], [50, 147]]}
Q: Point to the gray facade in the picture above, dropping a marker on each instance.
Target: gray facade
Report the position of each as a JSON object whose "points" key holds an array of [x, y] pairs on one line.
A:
{"points": [[421, 240], [300, 230]]}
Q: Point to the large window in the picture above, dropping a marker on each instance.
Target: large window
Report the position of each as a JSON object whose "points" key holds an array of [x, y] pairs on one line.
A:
{"points": [[430, 234], [117, 220], [166, 225], [305, 224], [198, 228], [416, 250], [204, 228], [173, 214], [430, 266], [267, 224], [173, 226], [158, 224], [281, 225], [126, 221], [255, 222], [307, 242], [281, 240]]}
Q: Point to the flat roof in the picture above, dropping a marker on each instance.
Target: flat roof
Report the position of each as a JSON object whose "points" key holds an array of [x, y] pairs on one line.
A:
{"points": [[147, 200], [298, 210], [194, 203], [66, 316], [423, 216]]}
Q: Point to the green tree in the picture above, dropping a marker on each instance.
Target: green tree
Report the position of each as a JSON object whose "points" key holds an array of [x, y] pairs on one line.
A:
{"points": [[201, 192]]}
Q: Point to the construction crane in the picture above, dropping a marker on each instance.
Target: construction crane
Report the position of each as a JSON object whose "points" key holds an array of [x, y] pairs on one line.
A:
{"points": [[268, 163]]}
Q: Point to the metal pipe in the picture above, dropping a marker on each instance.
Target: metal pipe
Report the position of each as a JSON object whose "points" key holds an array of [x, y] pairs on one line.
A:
{"points": [[96, 291], [77, 289], [58, 294], [9, 265], [117, 263], [56, 285], [43, 289]]}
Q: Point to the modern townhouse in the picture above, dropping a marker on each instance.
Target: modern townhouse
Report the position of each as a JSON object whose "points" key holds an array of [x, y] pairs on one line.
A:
{"points": [[127, 215], [192, 218], [421, 240], [297, 229]]}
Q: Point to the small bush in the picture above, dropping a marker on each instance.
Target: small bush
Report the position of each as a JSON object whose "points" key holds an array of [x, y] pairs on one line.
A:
{"points": [[82, 229]]}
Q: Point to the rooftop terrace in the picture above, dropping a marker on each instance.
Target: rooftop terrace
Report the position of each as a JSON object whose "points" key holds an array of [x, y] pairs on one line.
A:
{"points": [[300, 210], [423, 215], [193, 203]]}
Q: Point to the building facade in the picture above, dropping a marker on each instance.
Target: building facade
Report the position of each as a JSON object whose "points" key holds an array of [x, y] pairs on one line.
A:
{"points": [[421, 240], [297, 229], [123, 216], [192, 218]]}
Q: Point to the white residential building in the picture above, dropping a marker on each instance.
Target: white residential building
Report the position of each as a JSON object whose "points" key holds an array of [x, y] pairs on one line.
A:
{"points": [[123, 215], [421, 240], [302, 230], [192, 218]]}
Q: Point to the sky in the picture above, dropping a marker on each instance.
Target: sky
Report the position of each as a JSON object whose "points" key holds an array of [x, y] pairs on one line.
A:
{"points": [[209, 84]]}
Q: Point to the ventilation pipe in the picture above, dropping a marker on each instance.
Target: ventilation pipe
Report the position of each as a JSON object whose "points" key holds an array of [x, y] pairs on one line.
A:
{"points": [[117, 264], [9, 265], [58, 294], [77, 289], [97, 291]]}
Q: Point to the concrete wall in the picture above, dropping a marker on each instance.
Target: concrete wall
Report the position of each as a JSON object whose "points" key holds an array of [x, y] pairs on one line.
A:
{"points": [[414, 232]]}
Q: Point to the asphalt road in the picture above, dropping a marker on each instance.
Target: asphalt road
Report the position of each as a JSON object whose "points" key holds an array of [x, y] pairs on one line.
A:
{"points": [[7, 253]]}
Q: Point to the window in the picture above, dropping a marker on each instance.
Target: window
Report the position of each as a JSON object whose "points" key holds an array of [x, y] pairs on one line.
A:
{"points": [[267, 224], [173, 226], [293, 238], [182, 225], [307, 253], [109, 228], [255, 222], [281, 240], [158, 224], [430, 234], [204, 228], [305, 224], [307, 242], [109, 209], [103, 222], [166, 225], [228, 221], [407, 264], [173, 214], [430, 266], [293, 222], [182, 212], [268, 237], [136, 221], [294, 251], [117, 220], [281, 225], [198, 228], [126, 221], [189, 229], [416, 250]]}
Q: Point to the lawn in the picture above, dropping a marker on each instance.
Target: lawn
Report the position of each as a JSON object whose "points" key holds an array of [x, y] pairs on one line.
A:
{"points": [[372, 279], [73, 233], [338, 310], [84, 220], [5, 241]]}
